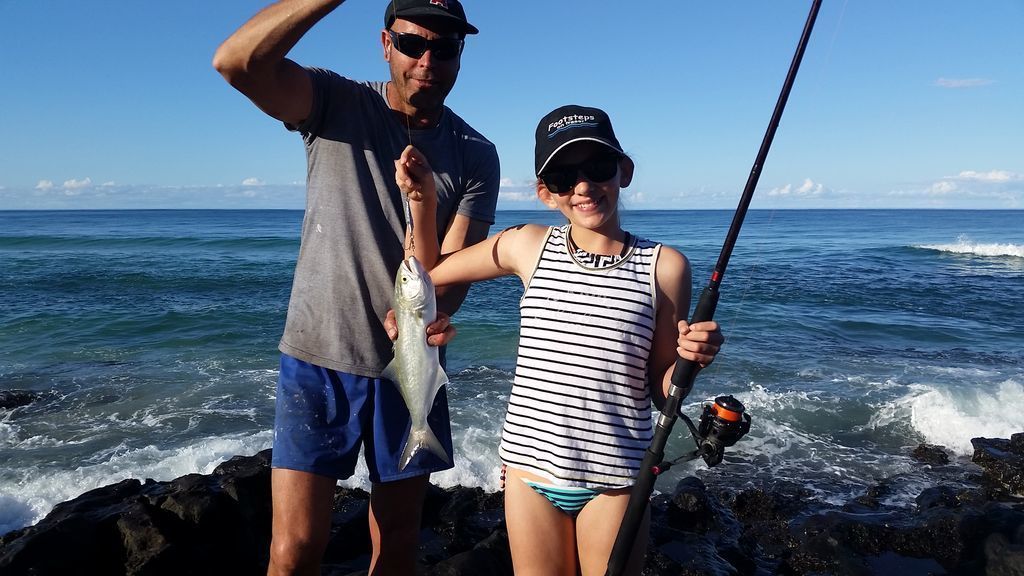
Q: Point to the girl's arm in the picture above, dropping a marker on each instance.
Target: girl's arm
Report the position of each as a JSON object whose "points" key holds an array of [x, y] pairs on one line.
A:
{"points": [[512, 251], [673, 337]]}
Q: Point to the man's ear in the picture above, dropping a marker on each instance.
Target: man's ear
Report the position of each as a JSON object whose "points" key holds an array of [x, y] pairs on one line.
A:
{"points": [[545, 195], [625, 171], [385, 41]]}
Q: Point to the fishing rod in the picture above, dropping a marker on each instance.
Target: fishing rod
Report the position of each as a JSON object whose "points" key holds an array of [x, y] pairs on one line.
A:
{"points": [[724, 421]]}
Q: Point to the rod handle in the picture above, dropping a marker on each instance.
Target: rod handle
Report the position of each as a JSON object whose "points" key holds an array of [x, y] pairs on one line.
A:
{"points": [[638, 502], [685, 371]]}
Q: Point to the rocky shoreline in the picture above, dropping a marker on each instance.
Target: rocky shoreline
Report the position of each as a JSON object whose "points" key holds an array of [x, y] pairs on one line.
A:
{"points": [[220, 524]]}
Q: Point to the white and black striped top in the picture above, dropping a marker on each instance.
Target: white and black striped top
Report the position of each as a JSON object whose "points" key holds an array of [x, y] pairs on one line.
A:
{"points": [[580, 409]]}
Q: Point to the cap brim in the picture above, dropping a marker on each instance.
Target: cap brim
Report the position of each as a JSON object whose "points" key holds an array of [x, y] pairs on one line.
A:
{"points": [[573, 141]]}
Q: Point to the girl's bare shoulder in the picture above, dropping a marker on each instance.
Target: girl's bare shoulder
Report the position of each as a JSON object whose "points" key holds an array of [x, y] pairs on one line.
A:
{"points": [[524, 235]]}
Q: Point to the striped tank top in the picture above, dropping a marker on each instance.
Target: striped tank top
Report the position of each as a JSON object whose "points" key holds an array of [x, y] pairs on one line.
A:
{"points": [[580, 410]]}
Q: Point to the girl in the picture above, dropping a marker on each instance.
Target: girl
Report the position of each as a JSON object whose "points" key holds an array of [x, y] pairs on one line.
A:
{"points": [[600, 332]]}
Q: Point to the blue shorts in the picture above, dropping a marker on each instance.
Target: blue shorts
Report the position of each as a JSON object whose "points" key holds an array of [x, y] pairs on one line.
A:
{"points": [[324, 416]]}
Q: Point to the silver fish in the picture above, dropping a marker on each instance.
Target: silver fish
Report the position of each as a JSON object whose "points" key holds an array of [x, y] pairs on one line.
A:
{"points": [[416, 369]]}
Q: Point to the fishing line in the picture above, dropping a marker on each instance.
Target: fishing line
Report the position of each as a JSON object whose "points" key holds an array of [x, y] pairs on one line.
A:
{"points": [[685, 371], [410, 245], [754, 267]]}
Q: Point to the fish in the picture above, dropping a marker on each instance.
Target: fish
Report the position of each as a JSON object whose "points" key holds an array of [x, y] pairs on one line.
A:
{"points": [[416, 369]]}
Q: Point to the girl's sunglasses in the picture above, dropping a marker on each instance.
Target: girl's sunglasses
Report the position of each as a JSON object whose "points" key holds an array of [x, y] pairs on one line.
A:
{"points": [[562, 179], [414, 45]]}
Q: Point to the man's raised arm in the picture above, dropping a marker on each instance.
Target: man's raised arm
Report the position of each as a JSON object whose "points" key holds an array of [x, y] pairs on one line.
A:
{"points": [[253, 58]]}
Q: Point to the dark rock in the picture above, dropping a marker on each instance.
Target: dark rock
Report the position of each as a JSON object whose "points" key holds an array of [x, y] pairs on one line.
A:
{"points": [[10, 399], [931, 454], [696, 555], [1003, 463], [83, 530], [147, 549], [691, 507], [937, 496], [1017, 444], [870, 501], [350, 517], [220, 524], [491, 556], [151, 528], [1004, 557], [469, 516]]}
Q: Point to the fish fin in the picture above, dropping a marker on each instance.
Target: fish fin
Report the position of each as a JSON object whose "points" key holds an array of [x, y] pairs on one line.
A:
{"points": [[440, 379], [390, 372], [422, 438]]}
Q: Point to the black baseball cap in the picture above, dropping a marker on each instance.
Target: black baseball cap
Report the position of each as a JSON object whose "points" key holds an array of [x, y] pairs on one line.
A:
{"points": [[448, 10], [568, 124]]}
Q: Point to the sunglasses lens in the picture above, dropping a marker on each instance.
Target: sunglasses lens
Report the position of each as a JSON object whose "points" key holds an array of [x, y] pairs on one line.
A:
{"points": [[559, 181], [414, 46], [445, 48], [563, 179], [601, 169]]}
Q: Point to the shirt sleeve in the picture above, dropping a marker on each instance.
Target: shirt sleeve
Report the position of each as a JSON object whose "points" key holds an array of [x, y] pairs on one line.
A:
{"points": [[329, 89], [482, 182]]}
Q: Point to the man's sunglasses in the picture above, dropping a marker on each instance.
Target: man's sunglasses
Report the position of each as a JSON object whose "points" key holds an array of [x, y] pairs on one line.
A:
{"points": [[562, 179], [414, 45]]}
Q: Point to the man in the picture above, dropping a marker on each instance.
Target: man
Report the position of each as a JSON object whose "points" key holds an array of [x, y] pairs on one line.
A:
{"points": [[330, 401]]}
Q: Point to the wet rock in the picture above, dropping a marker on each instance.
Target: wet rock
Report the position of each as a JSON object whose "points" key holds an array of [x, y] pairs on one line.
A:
{"points": [[871, 500], [11, 399], [938, 496], [931, 454], [220, 524], [1003, 464]]}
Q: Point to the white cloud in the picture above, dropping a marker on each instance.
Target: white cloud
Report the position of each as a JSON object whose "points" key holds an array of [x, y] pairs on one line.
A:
{"points": [[120, 196], [636, 198], [510, 183], [76, 184], [807, 189], [250, 193], [516, 191], [991, 176], [962, 82], [252, 182], [942, 187], [974, 183], [108, 184], [44, 185], [994, 189], [516, 195]]}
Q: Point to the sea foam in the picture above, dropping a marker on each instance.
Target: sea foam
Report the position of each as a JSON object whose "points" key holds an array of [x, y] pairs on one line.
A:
{"points": [[28, 499], [950, 418], [965, 245]]}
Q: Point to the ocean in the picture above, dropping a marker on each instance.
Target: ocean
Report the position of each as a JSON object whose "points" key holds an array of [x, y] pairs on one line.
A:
{"points": [[852, 337]]}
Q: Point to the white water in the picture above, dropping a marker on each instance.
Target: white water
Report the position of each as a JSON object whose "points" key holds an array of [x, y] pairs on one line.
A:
{"points": [[964, 245], [30, 497]]}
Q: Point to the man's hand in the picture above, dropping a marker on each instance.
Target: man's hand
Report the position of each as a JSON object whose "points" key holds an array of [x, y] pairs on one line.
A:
{"points": [[439, 332]]}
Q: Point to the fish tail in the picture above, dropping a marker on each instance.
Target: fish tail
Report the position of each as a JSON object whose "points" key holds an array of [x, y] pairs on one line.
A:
{"points": [[422, 438]]}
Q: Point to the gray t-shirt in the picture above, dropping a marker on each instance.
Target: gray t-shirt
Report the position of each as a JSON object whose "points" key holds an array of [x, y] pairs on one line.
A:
{"points": [[354, 224]]}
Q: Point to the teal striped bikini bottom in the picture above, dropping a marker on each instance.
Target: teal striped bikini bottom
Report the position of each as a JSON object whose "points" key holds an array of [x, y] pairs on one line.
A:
{"points": [[568, 500]]}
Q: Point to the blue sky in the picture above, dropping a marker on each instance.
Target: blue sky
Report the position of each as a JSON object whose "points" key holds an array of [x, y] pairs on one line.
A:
{"points": [[905, 104]]}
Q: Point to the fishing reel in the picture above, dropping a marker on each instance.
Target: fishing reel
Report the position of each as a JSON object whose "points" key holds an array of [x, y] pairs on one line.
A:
{"points": [[722, 424]]}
